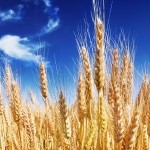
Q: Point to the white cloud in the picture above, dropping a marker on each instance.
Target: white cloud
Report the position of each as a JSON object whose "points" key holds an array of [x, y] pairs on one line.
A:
{"points": [[50, 26], [18, 48], [11, 14], [47, 3]]}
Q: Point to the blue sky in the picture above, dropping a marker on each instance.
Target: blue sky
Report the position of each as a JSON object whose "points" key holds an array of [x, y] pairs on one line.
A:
{"points": [[31, 30]]}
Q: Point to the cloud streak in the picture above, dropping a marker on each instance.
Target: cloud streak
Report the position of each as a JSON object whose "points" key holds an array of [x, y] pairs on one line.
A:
{"points": [[19, 48], [50, 26], [11, 14], [47, 3], [53, 19]]}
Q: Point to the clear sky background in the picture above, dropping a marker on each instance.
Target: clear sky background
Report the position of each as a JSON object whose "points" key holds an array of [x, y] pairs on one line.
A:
{"points": [[44, 29]]}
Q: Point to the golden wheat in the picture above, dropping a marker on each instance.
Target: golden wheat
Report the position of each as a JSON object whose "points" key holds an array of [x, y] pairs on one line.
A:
{"points": [[104, 115]]}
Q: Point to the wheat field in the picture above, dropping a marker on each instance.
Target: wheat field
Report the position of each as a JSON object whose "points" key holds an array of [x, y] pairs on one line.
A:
{"points": [[104, 115]]}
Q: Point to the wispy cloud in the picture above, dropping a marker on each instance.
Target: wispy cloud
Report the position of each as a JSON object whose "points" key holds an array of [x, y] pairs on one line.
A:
{"points": [[50, 13], [11, 14], [50, 26], [47, 3], [53, 19], [19, 48]]}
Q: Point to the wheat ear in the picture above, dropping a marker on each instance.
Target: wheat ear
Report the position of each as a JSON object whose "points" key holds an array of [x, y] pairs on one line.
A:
{"points": [[88, 81]]}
